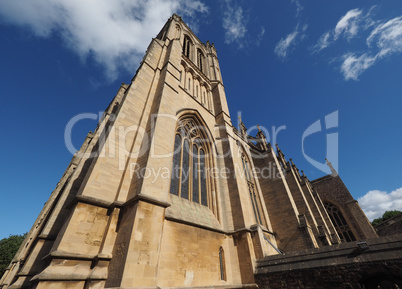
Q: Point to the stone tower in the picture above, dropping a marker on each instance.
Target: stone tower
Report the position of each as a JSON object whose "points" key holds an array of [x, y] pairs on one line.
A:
{"points": [[166, 192]]}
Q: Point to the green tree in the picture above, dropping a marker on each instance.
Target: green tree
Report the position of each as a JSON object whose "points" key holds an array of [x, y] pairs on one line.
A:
{"points": [[387, 215], [8, 247]]}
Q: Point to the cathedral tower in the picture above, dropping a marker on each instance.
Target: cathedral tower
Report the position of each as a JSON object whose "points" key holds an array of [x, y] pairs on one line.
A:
{"points": [[166, 192]]}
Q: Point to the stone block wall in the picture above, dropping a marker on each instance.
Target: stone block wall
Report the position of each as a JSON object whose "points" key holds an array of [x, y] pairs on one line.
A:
{"points": [[375, 264], [332, 189], [391, 226], [352, 276]]}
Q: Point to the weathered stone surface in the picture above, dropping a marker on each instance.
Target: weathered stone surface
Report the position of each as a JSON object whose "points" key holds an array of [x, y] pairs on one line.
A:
{"points": [[340, 266], [391, 226]]}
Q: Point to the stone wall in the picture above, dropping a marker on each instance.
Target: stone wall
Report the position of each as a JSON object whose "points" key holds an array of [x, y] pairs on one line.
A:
{"points": [[391, 226], [332, 189], [334, 277], [342, 266]]}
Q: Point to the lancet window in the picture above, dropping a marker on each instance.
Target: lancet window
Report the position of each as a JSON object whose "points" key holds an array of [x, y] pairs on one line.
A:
{"points": [[222, 264], [340, 224], [252, 189], [186, 46], [200, 59], [190, 163]]}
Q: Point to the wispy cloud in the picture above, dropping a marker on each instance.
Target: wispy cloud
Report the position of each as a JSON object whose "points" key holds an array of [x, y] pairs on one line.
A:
{"points": [[299, 7], [376, 202], [285, 45], [387, 37], [348, 25], [384, 40], [234, 23], [115, 33], [352, 65], [260, 35], [323, 42]]}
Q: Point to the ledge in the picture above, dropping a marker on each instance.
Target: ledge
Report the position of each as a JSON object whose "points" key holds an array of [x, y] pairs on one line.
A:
{"points": [[116, 204], [252, 229], [47, 237], [77, 256], [245, 286], [146, 199], [379, 249], [95, 202]]}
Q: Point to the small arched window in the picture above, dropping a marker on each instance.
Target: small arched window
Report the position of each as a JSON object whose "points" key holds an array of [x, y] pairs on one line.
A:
{"points": [[200, 59], [190, 163], [340, 224], [209, 101], [222, 264], [186, 46], [252, 189]]}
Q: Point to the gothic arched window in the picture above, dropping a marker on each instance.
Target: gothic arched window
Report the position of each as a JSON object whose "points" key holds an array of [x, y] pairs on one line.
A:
{"points": [[190, 163], [200, 59], [252, 189], [340, 224], [222, 264], [186, 46]]}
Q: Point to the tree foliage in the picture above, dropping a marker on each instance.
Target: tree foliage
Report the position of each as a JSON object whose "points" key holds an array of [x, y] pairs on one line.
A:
{"points": [[8, 247], [387, 215]]}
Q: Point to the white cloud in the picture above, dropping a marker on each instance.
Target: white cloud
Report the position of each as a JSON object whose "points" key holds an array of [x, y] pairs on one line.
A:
{"points": [[375, 202], [348, 24], [323, 42], [387, 37], [353, 66], [114, 32], [234, 23], [384, 40], [299, 7], [284, 45]]}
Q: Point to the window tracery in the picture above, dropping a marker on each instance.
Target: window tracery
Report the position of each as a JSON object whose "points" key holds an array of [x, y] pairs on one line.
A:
{"points": [[340, 224], [190, 162]]}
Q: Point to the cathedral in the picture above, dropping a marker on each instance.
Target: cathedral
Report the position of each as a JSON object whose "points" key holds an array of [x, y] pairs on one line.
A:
{"points": [[168, 193]]}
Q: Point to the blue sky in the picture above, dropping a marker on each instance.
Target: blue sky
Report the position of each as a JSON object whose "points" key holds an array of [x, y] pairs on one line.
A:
{"points": [[293, 66]]}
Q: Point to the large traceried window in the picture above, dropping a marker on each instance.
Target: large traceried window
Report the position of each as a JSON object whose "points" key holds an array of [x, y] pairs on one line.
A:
{"points": [[340, 224], [190, 162], [252, 189]]}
